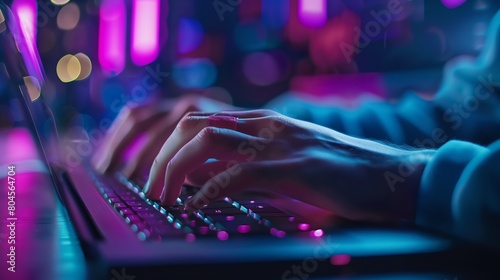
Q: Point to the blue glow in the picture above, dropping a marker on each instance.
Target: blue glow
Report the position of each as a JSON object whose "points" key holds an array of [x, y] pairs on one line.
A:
{"points": [[190, 35], [275, 14], [113, 96], [194, 73], [254, 37]]}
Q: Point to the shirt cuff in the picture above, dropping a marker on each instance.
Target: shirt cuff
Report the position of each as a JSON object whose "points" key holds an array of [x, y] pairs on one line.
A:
{"points": [[434, 205]]}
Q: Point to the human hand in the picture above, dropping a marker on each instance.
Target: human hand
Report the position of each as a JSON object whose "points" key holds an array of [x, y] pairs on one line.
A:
{"points": [[155, 121], [264, 151]]}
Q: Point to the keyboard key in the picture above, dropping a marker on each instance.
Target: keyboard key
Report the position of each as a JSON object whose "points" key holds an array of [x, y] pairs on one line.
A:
{"points": [[167, 230], [126, 211], [140, 209], [132, 219], [221, 211], [120, 205], [233, 225], [133, 203], [130, 198], [219, 205], [157, 222], [113, 200], [151, 215], [110, 194], [140, 226], [263, 208]]}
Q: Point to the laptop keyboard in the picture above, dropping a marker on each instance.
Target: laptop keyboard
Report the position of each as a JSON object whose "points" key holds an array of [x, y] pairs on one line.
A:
{"points": [[220, 219]]}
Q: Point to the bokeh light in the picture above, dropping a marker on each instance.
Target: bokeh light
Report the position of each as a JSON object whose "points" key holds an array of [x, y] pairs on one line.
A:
{"points": [[452, 4], [194, 73], [145, 31], [275, 13], [190, 35], [68, 17], [2, 22], [316, 233], [33, 86], [85, 64], [254, 36], [340, 260], [68, 68], [261, 69], [222, 235], [313, 13], [112, 34]]}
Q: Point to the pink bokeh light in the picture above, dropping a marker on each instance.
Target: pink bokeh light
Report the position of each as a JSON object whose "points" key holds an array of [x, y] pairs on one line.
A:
{"points": [[145, 31], [452, 4], [112, 26], [313, 13], [304, 227], [244, 228], [26, 12], [222, 235], [316, 233], [340, 260]]}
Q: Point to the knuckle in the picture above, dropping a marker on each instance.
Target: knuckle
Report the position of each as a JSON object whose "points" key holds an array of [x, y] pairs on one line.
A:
{"points": [[189, 120], [190, 103], [267, 112]]}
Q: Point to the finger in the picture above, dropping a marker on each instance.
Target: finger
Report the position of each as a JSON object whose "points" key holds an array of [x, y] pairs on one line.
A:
{"points": [[144, 158], [247, 177], [207, 171], [211, 142], [127, 126], [184, 132]]}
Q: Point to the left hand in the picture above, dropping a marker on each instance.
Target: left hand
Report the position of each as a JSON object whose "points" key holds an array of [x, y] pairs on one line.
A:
{"points": [[273, 153]]}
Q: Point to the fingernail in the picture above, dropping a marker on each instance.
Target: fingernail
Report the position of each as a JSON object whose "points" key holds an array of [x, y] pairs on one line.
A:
{"points": [[146, 188]]}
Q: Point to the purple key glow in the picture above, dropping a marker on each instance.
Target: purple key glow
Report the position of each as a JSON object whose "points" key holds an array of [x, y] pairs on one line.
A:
{"points": [[222, 235], [316, 233], [312, 13], [204, 230], [112, 26], [244, 228], [340, 260], [190, 238], [145, 31], [304, 227], [230, 218], [452, 4], [26, 10], [277, 233], [26, 13]]}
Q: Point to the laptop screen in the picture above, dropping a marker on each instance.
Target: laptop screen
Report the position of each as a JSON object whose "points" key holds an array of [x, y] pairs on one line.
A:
{"points": [[24, 76]]}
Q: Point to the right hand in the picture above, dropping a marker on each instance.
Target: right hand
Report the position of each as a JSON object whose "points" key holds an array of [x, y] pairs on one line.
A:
{"points": [[156, 121]]}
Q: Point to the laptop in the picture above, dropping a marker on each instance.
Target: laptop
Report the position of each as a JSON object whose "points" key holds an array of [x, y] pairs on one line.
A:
{"points": [[124, 235]]}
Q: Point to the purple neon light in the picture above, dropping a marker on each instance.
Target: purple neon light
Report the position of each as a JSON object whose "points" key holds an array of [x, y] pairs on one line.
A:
{"points": [[312, 13], [145, 42], [452, 4], [112, 26], [25, 12]]}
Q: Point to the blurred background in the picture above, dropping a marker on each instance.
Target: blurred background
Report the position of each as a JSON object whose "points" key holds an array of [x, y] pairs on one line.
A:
{"points": [[100, 54]]}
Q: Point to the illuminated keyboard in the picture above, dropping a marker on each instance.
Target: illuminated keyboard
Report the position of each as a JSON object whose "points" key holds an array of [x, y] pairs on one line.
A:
{"points": [[220, 219]]}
